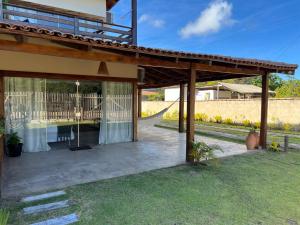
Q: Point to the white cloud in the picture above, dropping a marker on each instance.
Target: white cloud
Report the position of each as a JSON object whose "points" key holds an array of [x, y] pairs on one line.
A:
{"points": [[217, 15], [152, 21]]}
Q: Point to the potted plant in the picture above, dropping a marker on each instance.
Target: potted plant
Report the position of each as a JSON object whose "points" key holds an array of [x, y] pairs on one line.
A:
{"points": [[252, 140], [201, 151], [14, 145]]}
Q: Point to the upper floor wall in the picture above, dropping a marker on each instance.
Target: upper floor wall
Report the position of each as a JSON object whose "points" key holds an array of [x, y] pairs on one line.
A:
{"points": [[92, 7]]}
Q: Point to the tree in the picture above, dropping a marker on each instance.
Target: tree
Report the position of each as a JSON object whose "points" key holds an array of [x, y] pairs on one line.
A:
{"points": [[290, 88], [275, 81]]}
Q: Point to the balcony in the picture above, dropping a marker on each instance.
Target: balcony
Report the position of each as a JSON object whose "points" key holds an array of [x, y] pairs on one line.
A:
{"points": [[65, 22]]}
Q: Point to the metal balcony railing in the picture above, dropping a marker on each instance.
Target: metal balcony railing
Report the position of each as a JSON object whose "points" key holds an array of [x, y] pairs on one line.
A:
{"points": [[65, 22]]}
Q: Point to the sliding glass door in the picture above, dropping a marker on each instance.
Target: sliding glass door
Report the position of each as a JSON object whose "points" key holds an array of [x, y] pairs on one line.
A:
{"points": [[58, 114], [26, 113]]}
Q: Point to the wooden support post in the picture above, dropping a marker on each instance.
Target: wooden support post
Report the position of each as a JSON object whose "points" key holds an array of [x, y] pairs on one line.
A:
{"points": [[181, 109], [190, 123], [140, 99], [264, 111], [1, 137], [135, 112], [134, 21]]}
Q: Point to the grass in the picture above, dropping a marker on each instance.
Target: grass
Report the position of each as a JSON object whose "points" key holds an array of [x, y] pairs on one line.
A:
{"points": [[4, 214], [203, 128], [258, 188]]}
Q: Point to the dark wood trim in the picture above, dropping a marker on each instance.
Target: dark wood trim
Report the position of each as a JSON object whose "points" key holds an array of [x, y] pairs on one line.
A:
{"points": [[227, 70], [94, 56], [8, 73], [264, 111], [140, 100], [135, 112], [190, 122], [181, 108]]}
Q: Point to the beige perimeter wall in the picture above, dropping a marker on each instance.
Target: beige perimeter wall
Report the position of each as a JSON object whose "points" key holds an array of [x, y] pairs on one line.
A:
{"points": [[280, 110]]}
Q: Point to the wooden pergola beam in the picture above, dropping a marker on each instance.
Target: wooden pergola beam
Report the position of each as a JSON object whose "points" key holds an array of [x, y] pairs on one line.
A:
{"points": [[135, 111], [181, 108], [87, 55], [264, 111], [107, 56], [140, 96], [190, 122]]}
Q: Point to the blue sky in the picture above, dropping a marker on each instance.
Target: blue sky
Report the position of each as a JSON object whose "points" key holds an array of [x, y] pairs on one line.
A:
{"points": [[263, 29]]}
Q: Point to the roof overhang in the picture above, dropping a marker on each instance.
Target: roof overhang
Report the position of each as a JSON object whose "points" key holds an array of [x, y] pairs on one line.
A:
{"points": [[110, 4], [162, 67]]}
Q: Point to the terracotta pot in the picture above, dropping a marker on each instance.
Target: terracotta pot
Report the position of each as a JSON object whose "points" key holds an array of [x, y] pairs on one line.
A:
{"points": [[252, 141]]}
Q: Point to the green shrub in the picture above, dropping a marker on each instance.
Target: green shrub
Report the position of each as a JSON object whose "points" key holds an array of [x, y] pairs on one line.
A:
{"points": [[201, 117], [247, 123], [256, 125], [228, 121], [287, 127], [4, 214], [218, 119], [2, 126], [201, 151], [274, 147]]}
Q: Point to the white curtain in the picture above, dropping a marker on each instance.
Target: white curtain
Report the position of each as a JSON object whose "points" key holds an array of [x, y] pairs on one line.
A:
{"points": [[26, 112], [116, 113]]}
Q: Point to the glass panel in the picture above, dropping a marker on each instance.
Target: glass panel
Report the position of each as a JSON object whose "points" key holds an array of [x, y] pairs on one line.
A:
{"points": [[56, 114], [26, 112], [116, 122], [73, 116]]}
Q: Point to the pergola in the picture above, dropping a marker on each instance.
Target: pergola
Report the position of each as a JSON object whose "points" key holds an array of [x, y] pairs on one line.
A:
{"points": [[162, 68]]}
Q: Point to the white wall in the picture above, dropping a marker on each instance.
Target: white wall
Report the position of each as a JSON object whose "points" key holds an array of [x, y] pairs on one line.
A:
{"points": [[172, 94], [93, 7], [205, 95]]}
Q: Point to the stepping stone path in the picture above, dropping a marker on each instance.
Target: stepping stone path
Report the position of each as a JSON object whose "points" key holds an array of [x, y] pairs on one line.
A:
{"points": [[37, 209]]}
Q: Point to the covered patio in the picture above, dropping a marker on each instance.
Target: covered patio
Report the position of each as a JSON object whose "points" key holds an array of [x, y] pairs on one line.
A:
{"points": [[156, 68], [158, 148]]}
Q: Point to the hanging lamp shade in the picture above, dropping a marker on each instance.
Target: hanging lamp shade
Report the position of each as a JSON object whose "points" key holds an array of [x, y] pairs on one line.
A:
{"points": [[103, 69]]}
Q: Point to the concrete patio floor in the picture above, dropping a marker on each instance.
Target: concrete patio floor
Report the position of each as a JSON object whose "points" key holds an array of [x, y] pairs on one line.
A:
{"points": [[157, 148]]}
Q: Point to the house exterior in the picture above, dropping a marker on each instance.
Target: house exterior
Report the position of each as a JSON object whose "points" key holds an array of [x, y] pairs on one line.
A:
{"points": [[231, 91], [70, 78], [219, 91]]}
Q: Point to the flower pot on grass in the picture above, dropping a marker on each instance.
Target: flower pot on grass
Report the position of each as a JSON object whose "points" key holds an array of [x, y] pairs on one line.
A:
{"points": [[252, 141]]}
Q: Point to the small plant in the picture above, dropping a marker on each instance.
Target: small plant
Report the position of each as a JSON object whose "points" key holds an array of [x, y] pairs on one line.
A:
{"points": [[274, 147], [228, 121], [201, 117], [218, 119], [247, 123], [4, 214], [201, 151], [14, 145], [13, 139], [2, 126], [287, 127], [257, 125]]}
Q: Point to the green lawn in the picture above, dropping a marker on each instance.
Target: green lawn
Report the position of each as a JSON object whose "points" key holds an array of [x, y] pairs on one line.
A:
{"points": [[240, 132], [258, 188]]}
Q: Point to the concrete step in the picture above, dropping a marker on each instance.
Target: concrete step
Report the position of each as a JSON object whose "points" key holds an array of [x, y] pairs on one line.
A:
{"points": [[46, 207], [34, 198], [64, 220]]}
